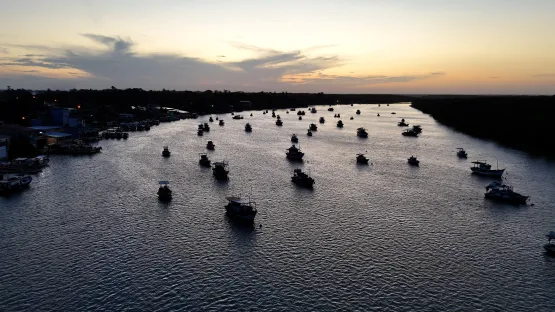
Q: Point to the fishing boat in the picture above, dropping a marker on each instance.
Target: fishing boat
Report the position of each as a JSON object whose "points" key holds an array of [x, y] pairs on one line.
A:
{"points": [[14, 183], [362, 133], [279, 122], [248, 128], [313, 127], [361, 159], [402, 123], [294, 153], [309, 132], [413, 161], [322, 120], [501, 192], [220, 170], [294, 138], [210, 145], [358, 112], [241, 210], [302, 179], [481, 167], [550, 247], [410, 133], [204, 160], [461, 152], [166, 152], [76, 147], [340, 124], [221, 122], [164, 192]]}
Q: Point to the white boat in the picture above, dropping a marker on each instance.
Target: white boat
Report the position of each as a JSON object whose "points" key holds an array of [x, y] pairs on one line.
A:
{"points": [[481, 167]]}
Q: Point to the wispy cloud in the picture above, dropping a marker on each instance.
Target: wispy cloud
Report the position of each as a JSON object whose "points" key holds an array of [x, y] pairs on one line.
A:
{"points": [[356, 81]]}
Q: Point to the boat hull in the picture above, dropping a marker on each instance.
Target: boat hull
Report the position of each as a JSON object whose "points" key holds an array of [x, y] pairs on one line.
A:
{"points": [[549, 248], [517, 200], [490, 173]]}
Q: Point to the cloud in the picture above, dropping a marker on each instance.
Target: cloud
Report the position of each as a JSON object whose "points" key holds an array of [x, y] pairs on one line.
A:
{"points": [[117, 63], [356, 81], [117, 44]]}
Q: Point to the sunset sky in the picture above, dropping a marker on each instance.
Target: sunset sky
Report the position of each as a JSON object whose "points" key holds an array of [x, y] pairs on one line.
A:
{"points": [[348, 46]]}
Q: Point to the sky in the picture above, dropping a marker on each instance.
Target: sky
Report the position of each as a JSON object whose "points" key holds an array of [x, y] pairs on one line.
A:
{"points": [[344, 46]]}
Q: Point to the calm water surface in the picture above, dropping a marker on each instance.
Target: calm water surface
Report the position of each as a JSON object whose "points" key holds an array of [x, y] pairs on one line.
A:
{"points": [[91, 235]]}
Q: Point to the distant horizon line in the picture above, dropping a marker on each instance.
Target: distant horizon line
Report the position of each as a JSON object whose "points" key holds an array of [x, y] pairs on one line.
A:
{"points": [[251, 92]]}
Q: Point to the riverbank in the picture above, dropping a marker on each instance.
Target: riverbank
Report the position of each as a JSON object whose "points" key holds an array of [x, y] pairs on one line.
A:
{"points": [[520, 122]]}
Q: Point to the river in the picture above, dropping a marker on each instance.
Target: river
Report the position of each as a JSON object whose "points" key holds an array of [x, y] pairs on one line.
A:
{"points": [[90, 233]]}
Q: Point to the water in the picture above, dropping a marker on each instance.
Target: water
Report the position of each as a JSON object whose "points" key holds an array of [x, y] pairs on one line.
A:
{"points": [[91, 235]]}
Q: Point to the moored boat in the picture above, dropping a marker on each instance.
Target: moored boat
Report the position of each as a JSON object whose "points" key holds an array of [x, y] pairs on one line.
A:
{"points": [[294, 153], [204, 160], [413, 161], [248, 128], [210, 145], [309, 132], [313, 110], [340, 124], [358, 112], [481, 167], [294, 138], [330, 109], [550, 247], [206, 127], [313, 127], [302, 179], [279, 122], [361, 159], [221, 122], [501, 192], [241, 210], [409, 132], [166, 152], [417, 128], [220, 171], [362, 133], [402, 123], [461, 152], [14, 183], [164, 192], [322, 120]]}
